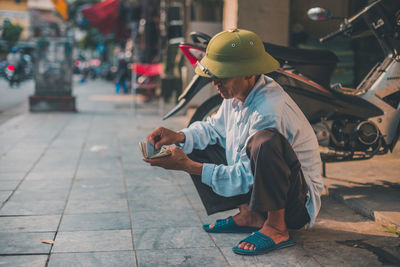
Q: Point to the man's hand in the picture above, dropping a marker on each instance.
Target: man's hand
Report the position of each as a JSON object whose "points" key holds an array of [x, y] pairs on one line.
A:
{"points": [[163, 136], [178, 160]]}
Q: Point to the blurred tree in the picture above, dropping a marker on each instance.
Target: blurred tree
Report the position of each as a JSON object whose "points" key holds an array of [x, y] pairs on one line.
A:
{"points": [[11, 33], [91, 39]]}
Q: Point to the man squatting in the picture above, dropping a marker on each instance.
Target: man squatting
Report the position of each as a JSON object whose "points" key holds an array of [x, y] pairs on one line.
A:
{"points": [[258, 153]]}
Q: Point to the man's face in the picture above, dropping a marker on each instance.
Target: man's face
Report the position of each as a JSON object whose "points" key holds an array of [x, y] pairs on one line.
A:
{"points": [[231, 87]]}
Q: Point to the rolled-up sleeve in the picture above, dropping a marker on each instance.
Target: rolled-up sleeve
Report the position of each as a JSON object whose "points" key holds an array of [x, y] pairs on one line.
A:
{"points": [[200, 134], [229, 180]]}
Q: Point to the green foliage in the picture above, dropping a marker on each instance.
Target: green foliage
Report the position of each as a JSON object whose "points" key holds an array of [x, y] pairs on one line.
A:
{"points": [[11, 33], [91, 39], [391, 229], [87, 42]]}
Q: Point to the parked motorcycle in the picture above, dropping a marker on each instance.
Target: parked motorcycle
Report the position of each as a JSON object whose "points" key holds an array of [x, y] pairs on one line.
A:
{"points": [[11, 75], [350, 123]]}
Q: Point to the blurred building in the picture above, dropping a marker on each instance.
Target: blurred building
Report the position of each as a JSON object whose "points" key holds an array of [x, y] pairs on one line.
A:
{"points": [[44, 20], [37, 17], [15, 12]]}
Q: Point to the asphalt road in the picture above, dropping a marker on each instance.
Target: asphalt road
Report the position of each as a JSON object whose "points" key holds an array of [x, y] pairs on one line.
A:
{"points": [[14, 101]]}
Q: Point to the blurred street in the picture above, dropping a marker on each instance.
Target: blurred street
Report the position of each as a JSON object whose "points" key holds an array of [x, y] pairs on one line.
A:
{"points": [[14, 101], [75, 192]]}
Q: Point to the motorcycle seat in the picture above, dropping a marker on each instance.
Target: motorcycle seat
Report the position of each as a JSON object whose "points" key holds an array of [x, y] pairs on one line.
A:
{"points": [[318, 65]]}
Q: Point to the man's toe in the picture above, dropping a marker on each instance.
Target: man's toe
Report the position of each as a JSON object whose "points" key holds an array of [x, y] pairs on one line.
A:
{"points": [[246, 246]]}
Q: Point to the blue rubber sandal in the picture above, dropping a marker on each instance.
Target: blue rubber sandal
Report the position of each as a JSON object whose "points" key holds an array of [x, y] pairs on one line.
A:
{"points": [[263, 243], [228, 225]]}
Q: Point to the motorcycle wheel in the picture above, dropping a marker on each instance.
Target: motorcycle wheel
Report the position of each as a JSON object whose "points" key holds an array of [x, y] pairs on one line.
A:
{"points": [[208, 108]]}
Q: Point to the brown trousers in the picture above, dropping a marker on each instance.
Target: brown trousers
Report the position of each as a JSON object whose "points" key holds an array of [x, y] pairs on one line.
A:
{"points": [[278, 180]]}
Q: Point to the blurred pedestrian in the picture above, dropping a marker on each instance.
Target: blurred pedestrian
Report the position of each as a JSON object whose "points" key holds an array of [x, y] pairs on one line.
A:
{"points": [[14, 59], [122, 75], [84, 68]]}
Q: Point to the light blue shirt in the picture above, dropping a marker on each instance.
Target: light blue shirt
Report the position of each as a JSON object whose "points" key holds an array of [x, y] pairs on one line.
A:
{"points": [[266, 106]]}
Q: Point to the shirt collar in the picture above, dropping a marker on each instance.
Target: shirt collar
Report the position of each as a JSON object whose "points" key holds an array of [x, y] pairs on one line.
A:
{"points": [[237, 104]]}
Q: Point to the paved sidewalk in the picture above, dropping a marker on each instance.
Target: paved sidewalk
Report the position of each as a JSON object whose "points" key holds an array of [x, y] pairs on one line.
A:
{"points": [[78, 179], [371, 187], [13, 100]]}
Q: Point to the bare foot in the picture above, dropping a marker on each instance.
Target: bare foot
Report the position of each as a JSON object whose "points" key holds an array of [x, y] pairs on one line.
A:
{"points": [[276, 235], [274, 227], [247, 217]]}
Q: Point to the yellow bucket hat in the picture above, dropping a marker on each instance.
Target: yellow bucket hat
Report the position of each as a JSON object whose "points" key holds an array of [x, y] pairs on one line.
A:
{"points": [[235, 53]]}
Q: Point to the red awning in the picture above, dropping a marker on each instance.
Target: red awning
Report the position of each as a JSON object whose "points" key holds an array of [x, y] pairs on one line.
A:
{"points": [[103, 15]]}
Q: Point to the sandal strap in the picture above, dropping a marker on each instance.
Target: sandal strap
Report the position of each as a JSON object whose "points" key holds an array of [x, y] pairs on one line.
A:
{"points": [[259, 240], [224, 222]]}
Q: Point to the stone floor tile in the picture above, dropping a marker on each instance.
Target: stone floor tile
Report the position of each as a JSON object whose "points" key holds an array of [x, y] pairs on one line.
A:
{"points": [[106, 153], [170, 218], [147, 176], [99, 182], [181, 257], [171, 237], [228, 240], [292, 256], [95, 162], [181, 178], [133, 161], [96, 206], [60, 161], [98, 186], [93, 194], [46, 195], [194, 198], [24, 261], [67, 144], [33, 207], [16, 165], [45, 185], [18, 154], [159, 203], [51, 174], [93, 259], [95, 221], [15, 176], [326, 253], [4, 195], [93, 176], [159, 192], [24, 243], [90, 172], [47, 223], [92, 241], [9, 184]]}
